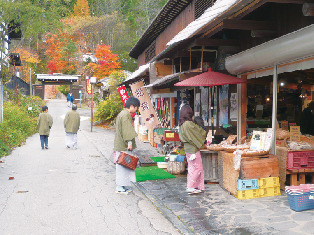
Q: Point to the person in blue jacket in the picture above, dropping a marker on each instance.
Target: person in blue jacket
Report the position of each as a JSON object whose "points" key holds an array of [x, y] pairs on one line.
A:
{"points": [[70, 99]]}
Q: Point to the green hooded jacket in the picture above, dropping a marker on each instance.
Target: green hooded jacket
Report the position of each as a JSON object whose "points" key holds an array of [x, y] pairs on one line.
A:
{"points": [[124, 131], [72, 122], [44, 123], [192, 135]]}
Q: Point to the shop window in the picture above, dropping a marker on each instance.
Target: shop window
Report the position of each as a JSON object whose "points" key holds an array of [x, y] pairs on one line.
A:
{"points": [[201, 6]]}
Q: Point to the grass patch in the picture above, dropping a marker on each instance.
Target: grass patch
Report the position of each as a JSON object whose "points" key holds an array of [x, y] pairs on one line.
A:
{"points": [[151, 173], [158, 159]]}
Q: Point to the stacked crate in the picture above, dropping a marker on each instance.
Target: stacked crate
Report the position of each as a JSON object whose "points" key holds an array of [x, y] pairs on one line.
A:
{"points": [[255, 188]]}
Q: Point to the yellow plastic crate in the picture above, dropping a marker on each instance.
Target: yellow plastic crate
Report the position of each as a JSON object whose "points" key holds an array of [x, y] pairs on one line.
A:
{"points": [[268, 182], [270, 191], [248, 194]]}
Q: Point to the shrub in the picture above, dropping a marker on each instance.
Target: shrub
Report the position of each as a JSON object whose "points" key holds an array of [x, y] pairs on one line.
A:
{"points": [[19, 122], [109, 108]]}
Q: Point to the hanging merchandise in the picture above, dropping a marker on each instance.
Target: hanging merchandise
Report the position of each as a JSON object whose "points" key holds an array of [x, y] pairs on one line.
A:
{"points": [[223, 105]]}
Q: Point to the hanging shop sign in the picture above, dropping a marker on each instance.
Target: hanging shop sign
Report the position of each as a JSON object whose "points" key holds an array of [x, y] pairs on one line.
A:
{"points": [[146, 108], [89, 87], [123, 94]]}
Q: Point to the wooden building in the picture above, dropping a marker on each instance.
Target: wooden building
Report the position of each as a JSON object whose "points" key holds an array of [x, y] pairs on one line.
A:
{"points": [[264, 41]]}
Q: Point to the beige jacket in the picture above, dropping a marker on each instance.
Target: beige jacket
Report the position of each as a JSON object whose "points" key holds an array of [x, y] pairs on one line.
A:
{"points": [[72, 122], [44, 123]]}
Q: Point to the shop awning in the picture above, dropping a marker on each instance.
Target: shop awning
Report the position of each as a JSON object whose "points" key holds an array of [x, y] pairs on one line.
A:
{"points": [[165, 80], [294, 51], [210, 79], [137, 74]]}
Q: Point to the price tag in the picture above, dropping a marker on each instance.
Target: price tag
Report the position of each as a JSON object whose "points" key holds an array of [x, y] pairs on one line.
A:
{"points": [[169, 135]]}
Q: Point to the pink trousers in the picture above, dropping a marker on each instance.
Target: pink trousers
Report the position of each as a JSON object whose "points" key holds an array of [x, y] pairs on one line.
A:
{"points": [[195, 178]]}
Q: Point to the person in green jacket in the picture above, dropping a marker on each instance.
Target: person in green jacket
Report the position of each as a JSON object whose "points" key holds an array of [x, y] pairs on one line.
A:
{"points": [[44, 124], [193, 137], [71, 126], [125, 140]]}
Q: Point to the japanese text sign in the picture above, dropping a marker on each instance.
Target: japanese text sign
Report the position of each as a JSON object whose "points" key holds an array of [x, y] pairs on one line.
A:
{"points": [[123, 94], [88, 87], [146, 108]]}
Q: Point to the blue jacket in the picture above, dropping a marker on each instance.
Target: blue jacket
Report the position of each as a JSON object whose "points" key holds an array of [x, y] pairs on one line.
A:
{"points": [[70, 98]]}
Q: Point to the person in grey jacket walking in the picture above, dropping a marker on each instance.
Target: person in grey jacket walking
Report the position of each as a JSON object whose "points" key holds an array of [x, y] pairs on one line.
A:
{"points": [[44, 124], [71, 125]]}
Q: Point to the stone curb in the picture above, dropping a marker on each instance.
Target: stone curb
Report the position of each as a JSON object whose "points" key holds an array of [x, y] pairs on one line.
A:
{"points": [[180, 225]]}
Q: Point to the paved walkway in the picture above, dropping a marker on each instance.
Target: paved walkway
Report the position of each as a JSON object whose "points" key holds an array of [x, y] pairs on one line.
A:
{"points": [[60, 191]]}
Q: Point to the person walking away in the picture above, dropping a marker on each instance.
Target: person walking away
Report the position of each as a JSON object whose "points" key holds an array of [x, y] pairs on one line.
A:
{"points": [[70, 99], [125, 140], [71, 126], [44, 124], [193, 138]]}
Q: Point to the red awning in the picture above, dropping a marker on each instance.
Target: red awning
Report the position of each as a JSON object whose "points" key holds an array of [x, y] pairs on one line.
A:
{"points": [[210, 79]]}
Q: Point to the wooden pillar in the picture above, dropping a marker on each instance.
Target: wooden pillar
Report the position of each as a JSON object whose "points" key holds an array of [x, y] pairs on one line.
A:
{"points": [[243, 106]]}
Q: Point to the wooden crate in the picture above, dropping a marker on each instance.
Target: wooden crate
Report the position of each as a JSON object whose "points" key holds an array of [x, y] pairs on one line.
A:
{"points": [[259, 167], [230, 175], [210, 165], [176, 168]]}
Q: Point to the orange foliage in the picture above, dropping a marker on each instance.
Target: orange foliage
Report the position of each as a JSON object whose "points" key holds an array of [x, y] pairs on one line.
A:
{"points": [[81, 8], [29, 60], [60, 59], [107, 62]]}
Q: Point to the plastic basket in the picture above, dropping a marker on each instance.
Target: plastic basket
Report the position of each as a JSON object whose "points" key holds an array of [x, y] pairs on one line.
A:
{"points": [[247, 184], [301, 202], [270, 191], [300, 160], [268, 182], [248, 194]]}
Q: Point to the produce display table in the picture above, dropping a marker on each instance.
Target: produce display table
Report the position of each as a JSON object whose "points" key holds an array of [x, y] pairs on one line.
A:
{"points": [[210, 165]]}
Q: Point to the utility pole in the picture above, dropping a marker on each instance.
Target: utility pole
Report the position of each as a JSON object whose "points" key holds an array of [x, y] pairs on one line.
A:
{"points": [[30, 82]]}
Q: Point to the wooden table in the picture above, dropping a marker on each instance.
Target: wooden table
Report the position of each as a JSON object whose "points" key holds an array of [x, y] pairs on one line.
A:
{"points": [[297, 177]]}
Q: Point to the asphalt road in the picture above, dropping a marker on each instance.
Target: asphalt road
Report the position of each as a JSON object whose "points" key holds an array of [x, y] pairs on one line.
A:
{"points": [[61, 191]]}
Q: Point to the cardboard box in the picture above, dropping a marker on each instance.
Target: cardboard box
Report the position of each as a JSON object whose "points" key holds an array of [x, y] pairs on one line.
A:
{"points": [[295, 134], [143, 138]]}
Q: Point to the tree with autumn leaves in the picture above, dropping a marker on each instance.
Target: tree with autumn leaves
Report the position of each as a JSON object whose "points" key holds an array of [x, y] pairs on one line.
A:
{"points": [[107, 62]]}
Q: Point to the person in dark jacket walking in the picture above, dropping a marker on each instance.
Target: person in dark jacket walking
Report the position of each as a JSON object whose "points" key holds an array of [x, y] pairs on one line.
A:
{"points": [[44, 124], [70, 99], [71, 126]]}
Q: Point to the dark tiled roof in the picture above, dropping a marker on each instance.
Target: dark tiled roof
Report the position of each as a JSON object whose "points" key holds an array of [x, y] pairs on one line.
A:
{"points": [[167, 14]]}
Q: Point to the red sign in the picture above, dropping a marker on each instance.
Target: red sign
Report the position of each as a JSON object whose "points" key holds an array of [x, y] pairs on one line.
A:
{"points": [[123, 93], [89, 87]]}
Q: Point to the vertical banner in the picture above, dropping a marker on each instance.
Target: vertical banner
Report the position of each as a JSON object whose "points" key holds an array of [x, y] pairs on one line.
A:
{"points": [[88, 87], [149, 115], [123, 94]]}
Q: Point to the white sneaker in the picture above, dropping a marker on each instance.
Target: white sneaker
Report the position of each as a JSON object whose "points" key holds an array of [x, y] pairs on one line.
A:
{"points": [[196, 191], [122, 192], [127, 189]]}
